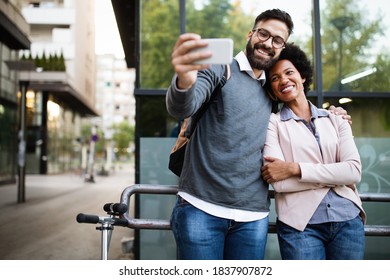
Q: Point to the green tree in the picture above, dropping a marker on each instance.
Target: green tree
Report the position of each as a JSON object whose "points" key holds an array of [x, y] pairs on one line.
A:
{"points": [[211, 20], [239, 26], [380, 80], [359, 37], [51, 62], [123, 135], [61, 62], [86, 135], [160, 29], [358, 44], [44, 61]]}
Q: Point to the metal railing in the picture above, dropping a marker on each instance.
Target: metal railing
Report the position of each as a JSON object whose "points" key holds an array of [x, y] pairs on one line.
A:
{"points": [[139, 223]]}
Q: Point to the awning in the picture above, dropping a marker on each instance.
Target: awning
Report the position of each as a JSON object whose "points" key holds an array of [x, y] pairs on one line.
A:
{"points": [[11, 35], [57, 84]]}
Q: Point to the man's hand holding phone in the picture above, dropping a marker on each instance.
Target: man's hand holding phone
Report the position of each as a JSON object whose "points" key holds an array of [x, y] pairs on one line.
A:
{"points": [[191, 53]]}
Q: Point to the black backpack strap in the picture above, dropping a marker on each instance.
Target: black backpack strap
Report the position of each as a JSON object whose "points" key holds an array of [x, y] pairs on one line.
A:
{"points": [[219, 100]]}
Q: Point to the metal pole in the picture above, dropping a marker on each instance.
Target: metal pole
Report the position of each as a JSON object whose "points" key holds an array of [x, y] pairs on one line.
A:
{"points": [[340, 58], [106, 230], [318, 53], [22, 143], [105, 242], [91, 159], [21, 65], [341, 23], [182, 16]]}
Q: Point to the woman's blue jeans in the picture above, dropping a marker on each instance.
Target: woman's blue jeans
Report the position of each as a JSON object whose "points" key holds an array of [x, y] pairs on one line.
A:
{"points": [[326, 241], [200, 236]]}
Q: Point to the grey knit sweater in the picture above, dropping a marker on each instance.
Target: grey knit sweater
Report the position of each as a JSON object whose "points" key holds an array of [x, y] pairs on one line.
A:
{"points": [[224, 156]]}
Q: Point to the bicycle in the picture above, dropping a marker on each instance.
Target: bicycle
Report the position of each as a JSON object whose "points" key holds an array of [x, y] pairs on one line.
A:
{"points": [[118, 214], [114, 212]]}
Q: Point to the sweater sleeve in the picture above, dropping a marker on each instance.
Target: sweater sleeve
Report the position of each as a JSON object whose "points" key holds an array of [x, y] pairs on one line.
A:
{"points": [[179, 103], [182, 104]]}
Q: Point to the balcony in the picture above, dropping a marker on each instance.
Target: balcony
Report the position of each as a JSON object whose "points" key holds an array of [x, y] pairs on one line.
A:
{"points": [[55, 16], [14, 29]]}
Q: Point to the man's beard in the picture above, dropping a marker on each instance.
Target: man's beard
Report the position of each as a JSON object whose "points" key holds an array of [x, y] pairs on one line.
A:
{"points": [[258, 63]]}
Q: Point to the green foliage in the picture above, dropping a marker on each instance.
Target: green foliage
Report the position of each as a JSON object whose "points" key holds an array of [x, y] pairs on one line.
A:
{"points": [[211, 21], [160, 30], [380, 80], [61, 62], [86, 134], [359, 36], [158, 34], [160, 24], [123, 135], [239, 26], [51, 63]]}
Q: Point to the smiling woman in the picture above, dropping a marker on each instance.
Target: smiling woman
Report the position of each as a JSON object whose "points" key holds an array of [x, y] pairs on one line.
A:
{"points": [[323, 170]]}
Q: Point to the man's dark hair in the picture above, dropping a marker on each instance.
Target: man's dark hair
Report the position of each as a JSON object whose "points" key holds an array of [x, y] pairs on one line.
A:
{"points": [[276, 14]]}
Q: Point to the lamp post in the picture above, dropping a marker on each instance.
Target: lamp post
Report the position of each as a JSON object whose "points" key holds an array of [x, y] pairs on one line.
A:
{"points": [[182, 7], [341, 23], [22, 65], [22, 143]]}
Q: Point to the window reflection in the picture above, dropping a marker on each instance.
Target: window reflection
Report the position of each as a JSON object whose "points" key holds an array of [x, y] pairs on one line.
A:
{"points": [[355, 57], [354, 45]]}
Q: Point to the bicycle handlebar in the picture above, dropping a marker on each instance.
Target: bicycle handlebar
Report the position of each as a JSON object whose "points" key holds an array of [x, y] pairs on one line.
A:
{"points": [[89, 219], [119, 208], [93, 219], [121, 222]]}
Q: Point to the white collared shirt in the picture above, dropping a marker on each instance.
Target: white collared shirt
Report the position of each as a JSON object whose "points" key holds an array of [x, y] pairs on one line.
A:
{"points": [[245, 66]]}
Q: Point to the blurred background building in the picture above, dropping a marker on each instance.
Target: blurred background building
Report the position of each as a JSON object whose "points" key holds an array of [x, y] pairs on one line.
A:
{"points": [[70, 89], [15, 32], [115, 102], [58, 98]]}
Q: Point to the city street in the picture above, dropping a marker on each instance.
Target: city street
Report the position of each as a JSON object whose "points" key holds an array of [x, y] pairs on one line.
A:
{"points": [[44, 227]]}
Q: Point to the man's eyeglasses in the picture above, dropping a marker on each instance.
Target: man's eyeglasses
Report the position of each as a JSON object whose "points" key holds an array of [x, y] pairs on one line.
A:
{"points": [[263, 35]]}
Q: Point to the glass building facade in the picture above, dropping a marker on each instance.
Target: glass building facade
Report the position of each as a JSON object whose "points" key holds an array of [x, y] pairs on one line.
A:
{"points": [[54, 107], [8, 116], [347, 41]]}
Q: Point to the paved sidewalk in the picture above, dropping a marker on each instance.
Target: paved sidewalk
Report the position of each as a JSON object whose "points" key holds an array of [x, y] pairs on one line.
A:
{"points": [[45, 227]]}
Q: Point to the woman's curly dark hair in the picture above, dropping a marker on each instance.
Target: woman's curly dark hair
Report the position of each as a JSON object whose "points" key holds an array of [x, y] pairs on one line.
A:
{"points": [[299, 59]]}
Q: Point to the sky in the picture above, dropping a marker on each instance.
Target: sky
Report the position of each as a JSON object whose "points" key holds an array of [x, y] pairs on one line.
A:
{"points": [[107, 39]]}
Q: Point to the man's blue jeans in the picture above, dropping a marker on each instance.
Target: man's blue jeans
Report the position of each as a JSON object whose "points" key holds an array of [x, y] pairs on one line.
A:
{"points": [[200, 236], [326, 241]]}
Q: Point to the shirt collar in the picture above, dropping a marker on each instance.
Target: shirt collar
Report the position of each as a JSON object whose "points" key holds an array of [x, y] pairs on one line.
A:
{"points": [[246, 67], [286, 113]]}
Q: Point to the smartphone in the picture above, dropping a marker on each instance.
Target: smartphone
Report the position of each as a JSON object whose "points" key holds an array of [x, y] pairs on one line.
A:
{"points": [[221, 49]]}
